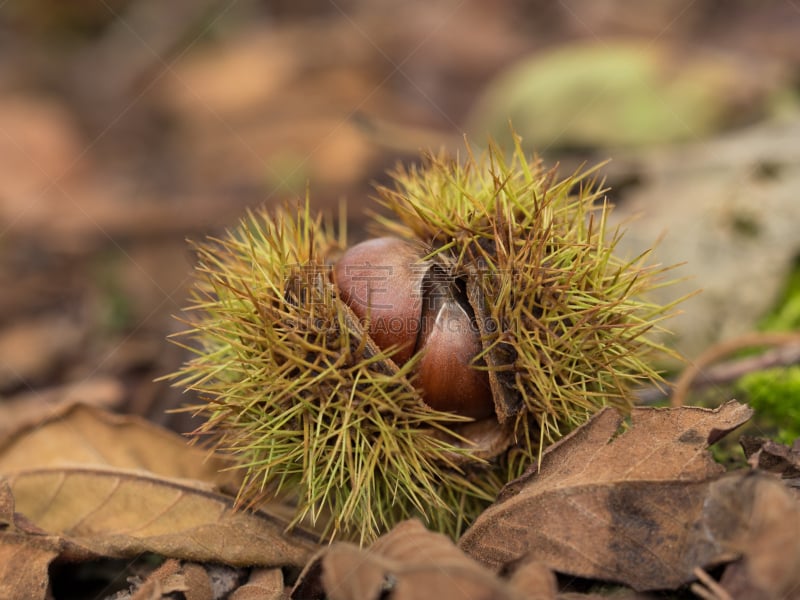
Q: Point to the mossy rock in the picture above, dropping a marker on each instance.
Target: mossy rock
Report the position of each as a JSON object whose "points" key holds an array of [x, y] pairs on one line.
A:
{"points": [[616, 95]]}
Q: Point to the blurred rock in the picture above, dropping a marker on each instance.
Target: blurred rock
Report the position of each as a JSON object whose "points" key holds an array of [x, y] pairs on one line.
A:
{"points": [[728, 207]]}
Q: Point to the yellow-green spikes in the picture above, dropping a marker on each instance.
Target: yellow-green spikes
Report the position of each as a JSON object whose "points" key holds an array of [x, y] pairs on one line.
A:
{"points": [[503, 276]]}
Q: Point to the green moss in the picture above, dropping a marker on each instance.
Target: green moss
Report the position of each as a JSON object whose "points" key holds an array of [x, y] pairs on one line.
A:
{"points": [[775, 395]]}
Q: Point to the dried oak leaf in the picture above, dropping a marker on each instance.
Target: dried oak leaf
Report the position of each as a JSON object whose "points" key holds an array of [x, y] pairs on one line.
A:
{"points": [[407, 563], [626, 507], [119, 514]]}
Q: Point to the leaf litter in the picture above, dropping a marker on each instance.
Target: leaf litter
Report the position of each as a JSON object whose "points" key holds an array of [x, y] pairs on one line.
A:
{"points": [[406, 563], [86, 484], [639, 505], [644, 508]]}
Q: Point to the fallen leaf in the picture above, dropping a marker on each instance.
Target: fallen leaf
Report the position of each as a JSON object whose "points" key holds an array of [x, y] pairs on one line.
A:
{"points": [[263, 584], [769, 542], [534, 580], [82, 434], [31, 408], [625, 507], [772, 456], [116, 513], [198, 582], [165, 580], [406, 563], [23, 566], [24, 557]]}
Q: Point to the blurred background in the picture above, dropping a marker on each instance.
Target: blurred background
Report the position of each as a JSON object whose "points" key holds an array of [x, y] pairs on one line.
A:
{"points": [[127, 126]]}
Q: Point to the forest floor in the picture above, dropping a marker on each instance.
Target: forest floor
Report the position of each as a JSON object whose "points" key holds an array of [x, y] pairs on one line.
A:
{"points": [[128, 127]]}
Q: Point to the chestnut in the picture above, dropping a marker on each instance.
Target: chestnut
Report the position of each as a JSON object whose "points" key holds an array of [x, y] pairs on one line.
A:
{"points": [[381, 281], [407, 303], [449, 342]]}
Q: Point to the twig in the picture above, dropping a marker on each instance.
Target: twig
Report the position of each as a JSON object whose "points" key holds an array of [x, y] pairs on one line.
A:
{"points": [[708, 588], [719, 351]]}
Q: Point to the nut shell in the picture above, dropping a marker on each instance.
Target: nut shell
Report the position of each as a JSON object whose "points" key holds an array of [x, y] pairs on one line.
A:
{"points": [[447, 372], [381, 281]]}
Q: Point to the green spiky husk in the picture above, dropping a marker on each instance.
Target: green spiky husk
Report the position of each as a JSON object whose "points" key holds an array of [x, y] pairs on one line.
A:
{"points": [[570, 330], [291, 384]]}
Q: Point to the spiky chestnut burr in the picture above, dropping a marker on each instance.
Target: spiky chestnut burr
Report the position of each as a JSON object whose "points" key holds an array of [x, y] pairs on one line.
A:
{"points": [[296, 379]]}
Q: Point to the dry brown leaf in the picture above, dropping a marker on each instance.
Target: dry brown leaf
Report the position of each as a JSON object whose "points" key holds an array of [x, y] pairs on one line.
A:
{"points": [[163, 581], [623, 507], [23, 566], [263, 584], [198, 582], [119, 514], [82, 434], [190, 579], [30, 408], [24, 555], [407, 563], [534, 580], [772, 456], [770, 542]]}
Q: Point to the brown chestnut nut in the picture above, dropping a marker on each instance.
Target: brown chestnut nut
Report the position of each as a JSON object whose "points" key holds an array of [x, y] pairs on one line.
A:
{"points": [[381, 281], [449, 342], [410, 304]]}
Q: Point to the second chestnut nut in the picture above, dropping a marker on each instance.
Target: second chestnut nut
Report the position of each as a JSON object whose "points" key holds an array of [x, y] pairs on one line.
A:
{"points": [[410, 305]]}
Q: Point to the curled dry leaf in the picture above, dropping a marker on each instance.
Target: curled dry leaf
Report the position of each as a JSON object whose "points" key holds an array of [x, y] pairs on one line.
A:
{"points": [[627, 507], [772, 456], [408, 562], [165, 580], [263, 584], [83, 434], [119, 514]]}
